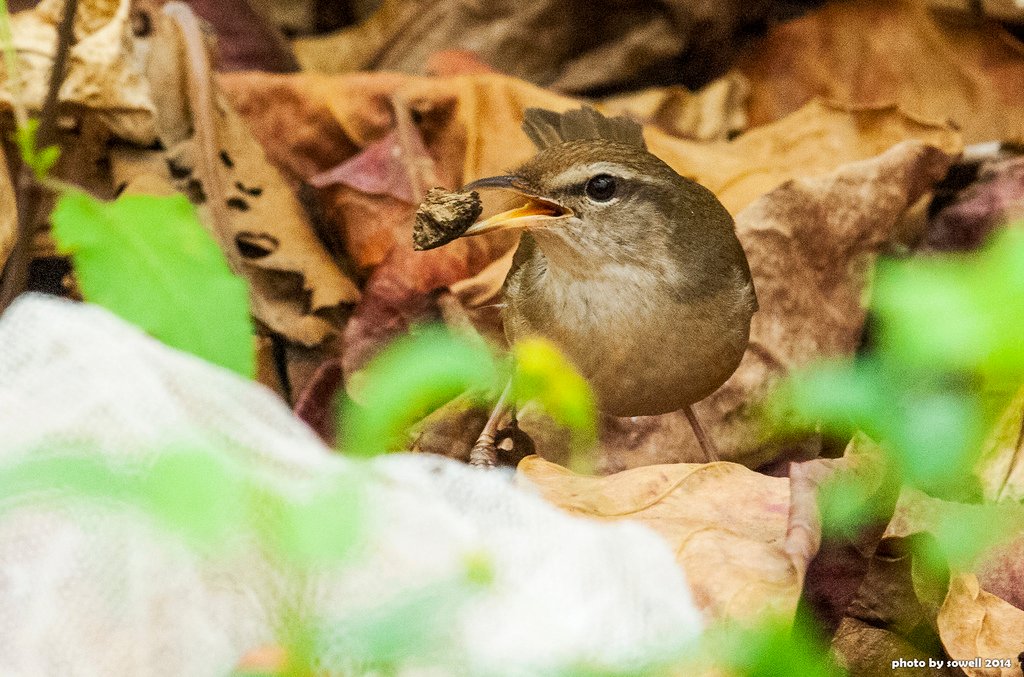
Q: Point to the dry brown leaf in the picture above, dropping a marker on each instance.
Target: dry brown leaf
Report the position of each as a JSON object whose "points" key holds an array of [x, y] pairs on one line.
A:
{"points": [[726, 524], [717, 112], [104, 72], [912, 607], [297, 289], [866, 650], [1000, 567], [892, 615], [981, 194], [744, 539], [975, 624], [246, 39], [1010, 11], [879, 52]]}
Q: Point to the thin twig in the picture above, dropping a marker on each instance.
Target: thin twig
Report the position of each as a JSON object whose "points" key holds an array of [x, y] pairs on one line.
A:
{"points": [[29, 193], [47, 132]]}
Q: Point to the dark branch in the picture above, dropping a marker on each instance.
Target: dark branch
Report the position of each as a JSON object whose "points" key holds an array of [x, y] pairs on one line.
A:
{"points": [[28, 192]]}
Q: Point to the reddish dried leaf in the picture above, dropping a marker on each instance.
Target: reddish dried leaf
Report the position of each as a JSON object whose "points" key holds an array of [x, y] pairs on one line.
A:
{"points": [[246, 41]]}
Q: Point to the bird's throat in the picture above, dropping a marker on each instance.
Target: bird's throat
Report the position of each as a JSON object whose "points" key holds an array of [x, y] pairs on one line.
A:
{"points": [[566, 253]]}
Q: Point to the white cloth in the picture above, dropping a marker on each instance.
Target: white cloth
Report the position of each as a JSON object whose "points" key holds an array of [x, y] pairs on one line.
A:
{"points": [[98, 588]]}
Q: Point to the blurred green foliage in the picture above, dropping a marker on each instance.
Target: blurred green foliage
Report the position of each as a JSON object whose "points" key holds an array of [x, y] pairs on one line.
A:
{"points": [[959, 313], [542, 374], [208, 501], [409, 379], [431, 366], [39, 160], [149, 260], [946, 359], [772, 647]]}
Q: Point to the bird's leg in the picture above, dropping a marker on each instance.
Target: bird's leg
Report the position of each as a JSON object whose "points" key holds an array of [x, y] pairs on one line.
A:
{"points": [[484, 454], [708, 447]]}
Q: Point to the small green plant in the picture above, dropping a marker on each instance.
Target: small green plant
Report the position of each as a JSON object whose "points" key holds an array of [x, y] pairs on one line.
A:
{"points": [[39, 160], [149, 260]]}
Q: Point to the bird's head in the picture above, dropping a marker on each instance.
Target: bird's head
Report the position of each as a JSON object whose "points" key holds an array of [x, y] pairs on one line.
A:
{"points": [[580, 197]]}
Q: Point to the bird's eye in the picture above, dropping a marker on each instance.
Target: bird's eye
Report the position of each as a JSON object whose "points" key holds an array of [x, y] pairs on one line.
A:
{"points": [[601, 188]]}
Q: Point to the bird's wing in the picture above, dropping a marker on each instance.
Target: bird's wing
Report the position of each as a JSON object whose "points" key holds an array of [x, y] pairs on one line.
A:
{"points": [[548, 128]]}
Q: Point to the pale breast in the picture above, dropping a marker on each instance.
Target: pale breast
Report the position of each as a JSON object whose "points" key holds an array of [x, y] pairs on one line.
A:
{"points": [[643, 350]]}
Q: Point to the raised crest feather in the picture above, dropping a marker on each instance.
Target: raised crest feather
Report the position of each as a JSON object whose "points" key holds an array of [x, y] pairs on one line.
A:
{"points": [[547, 128]]}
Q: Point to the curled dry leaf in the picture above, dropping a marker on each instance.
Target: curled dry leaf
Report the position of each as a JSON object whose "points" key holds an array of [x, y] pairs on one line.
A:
{"points": [[976, 625], [997, 561], [935, 603], [104, 72], [892, 613], [866, 650], [744, 539], [297, 289], [876, 52], [839, 560]]}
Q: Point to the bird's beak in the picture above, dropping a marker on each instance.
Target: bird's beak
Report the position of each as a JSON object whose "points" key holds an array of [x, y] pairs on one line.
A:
{"points": [[531, 210]]}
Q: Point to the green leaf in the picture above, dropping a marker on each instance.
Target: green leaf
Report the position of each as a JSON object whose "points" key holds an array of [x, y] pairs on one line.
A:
{"points": [[408, 380], [150, 261], [963, 313], [194, 495], [947, 348]]}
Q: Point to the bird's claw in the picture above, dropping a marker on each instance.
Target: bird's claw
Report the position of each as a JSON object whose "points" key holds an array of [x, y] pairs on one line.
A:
{"points": [[484, 454]]}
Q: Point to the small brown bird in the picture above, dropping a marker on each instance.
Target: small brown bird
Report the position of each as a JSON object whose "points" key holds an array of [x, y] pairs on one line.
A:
{"points": [[632, 270]]}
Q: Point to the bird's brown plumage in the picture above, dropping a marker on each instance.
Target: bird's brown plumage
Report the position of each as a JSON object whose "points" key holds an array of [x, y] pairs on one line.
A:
{"points": [[648, 293]]}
